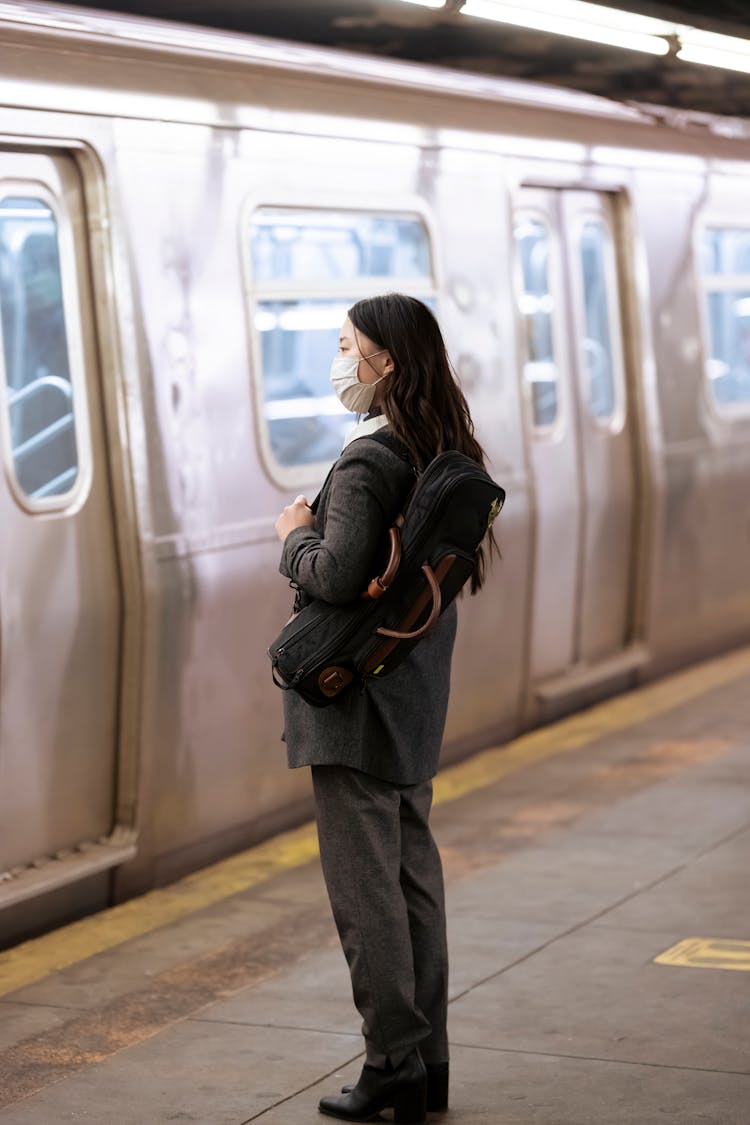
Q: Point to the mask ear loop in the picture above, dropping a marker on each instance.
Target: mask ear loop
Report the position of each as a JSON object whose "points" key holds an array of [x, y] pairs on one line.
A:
{"points": [[366, 359]]}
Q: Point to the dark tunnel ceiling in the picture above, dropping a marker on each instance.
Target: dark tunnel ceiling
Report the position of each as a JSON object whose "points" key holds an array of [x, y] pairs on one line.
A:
{"points": [[405, 31]]}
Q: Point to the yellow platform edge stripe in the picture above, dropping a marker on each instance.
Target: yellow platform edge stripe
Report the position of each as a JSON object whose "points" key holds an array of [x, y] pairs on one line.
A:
{"points": [[39, 957], [708, 953]]}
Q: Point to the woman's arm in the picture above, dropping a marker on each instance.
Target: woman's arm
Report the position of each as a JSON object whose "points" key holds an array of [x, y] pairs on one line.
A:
{"points": [[337, 567]]}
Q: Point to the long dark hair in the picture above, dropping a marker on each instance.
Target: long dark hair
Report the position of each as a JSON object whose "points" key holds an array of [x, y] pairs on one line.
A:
{"points": [[422, 399]]}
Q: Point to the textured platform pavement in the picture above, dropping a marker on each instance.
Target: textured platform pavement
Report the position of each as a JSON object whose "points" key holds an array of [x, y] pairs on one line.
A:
{"points": [[574, 857]]}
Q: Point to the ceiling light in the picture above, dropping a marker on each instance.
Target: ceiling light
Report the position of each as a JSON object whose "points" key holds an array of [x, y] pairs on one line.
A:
{"points": [[596, 23], [711, 49], [728, 60], [580, 20], [713, 40]]}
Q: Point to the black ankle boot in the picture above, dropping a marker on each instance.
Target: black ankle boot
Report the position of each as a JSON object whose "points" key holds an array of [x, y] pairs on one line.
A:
{"points": [[403, 1087], [437, 1087]]}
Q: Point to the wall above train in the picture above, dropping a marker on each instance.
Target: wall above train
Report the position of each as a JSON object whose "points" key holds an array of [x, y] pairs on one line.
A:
{"points": [[447, 37]]}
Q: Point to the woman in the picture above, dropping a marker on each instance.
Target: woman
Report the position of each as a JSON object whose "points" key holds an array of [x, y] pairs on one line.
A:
{"points": [[374, 752]]}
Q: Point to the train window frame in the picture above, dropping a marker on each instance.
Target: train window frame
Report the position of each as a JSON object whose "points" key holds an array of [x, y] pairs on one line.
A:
{"points": [[73, 499], [255, 292], [554, 431], [613, 423], [724, 219]]}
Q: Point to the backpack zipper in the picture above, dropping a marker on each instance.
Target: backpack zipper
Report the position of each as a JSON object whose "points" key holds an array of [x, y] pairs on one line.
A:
{"points": [[300, 632], [332, 646]]}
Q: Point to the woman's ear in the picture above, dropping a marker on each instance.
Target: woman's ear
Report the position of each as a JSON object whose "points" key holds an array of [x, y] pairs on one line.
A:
{"points": [[388, 366]]}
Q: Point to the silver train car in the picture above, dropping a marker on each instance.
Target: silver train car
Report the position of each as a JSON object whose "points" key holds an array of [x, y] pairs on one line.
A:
{"points": [[185, 216]]}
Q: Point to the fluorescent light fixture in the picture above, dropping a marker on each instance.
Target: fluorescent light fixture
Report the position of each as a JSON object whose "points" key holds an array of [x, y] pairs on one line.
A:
{"points": [[596, 23], [712, 40], [579, 20], [706, 49]]}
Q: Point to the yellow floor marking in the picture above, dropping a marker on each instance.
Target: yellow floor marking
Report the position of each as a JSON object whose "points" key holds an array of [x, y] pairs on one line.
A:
{"points": [[708, 953], [579, 730], [37, 958], [80, 940]]}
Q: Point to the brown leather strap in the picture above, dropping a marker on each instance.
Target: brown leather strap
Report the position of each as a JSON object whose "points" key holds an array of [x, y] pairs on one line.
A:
{"points": [[386, 647], [378, 586], [434, 614]]}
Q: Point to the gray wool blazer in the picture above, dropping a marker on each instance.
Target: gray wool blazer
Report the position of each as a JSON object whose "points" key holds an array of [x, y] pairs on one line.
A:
{"points": [[392, 728]]}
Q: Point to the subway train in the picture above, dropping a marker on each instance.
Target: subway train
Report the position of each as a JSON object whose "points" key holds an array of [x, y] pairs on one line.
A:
{"points": [[185, 217]]}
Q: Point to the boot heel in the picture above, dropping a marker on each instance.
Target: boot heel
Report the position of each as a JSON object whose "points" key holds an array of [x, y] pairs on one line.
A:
{"points": [[437, 1087], [410, 1106]]}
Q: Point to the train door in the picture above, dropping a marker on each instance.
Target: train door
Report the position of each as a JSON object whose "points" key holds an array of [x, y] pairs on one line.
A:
{"points": [[605, 446], [575, 391], [60, 601]]}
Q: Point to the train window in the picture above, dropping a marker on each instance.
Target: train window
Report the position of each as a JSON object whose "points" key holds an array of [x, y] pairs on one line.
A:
{"points": [[537, 307], [308, 268], [726, 278], [39, 394], [306, 422], [331, 246], [597, 343]]}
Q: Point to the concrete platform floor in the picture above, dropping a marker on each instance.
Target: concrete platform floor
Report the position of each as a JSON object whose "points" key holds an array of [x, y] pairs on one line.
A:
{"points": [[567, 875]]}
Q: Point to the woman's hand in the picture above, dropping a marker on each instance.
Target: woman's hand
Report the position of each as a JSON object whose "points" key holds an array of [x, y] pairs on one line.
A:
{"points": [[296, 514]]}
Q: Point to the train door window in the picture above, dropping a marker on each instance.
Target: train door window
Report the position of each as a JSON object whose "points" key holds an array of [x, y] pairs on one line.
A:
{"points": [[537, 307], [598, 280], [726, 281], [35, 356], [307, 267]]}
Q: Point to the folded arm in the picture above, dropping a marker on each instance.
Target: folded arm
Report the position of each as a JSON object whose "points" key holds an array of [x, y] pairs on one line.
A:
{"points": [[336, 567]]}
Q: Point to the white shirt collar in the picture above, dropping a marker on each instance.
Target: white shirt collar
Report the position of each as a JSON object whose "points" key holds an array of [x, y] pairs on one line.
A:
{"points": [[363, 427]]}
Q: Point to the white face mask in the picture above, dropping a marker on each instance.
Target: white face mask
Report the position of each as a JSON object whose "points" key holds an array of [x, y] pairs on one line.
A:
{"points": [[355, 396]]}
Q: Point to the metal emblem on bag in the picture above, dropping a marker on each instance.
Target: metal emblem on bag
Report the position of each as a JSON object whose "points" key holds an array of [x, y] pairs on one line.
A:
{"points": [[494, 512]]}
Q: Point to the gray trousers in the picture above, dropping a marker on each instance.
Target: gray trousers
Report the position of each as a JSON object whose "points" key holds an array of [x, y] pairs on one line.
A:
{"points": [[385, 883]]}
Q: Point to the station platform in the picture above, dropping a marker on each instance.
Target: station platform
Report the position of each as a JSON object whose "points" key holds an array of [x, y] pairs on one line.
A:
{"points": [[597, 875]]}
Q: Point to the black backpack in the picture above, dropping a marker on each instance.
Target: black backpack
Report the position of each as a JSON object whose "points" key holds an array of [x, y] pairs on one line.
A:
{"points": [[325, 648]]}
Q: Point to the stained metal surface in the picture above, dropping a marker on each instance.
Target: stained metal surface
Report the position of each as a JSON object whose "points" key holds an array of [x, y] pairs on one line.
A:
{"points": [[582, 463], [59, 588], [188, 141], [604, 427], [553, 452]]}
